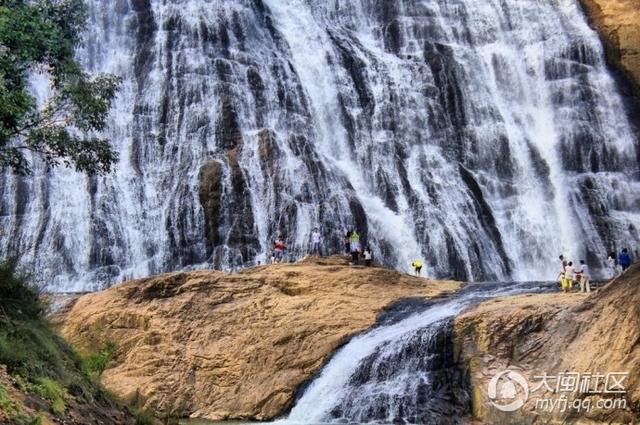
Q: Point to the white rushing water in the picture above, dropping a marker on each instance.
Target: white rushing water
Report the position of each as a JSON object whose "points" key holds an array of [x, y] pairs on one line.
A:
{"points": [[392, 374], [486, 137]]}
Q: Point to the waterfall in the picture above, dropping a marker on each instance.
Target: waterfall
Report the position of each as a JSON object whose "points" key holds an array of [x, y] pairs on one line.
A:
{"points": [[402, 372], [484, 136]]}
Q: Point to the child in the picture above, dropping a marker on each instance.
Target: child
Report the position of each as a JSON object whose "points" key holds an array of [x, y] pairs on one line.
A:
{"points": [[368, 257]]}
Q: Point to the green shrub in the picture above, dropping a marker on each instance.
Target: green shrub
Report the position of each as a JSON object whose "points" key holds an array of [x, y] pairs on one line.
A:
{"points": [[39, 360], [13, 411], [96, 363], [6, 404], [31, 349], [18, 299], [50, 390]]}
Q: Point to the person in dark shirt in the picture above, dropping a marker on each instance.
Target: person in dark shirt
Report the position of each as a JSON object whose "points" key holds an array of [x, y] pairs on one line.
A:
{"points": [[624, 259]]}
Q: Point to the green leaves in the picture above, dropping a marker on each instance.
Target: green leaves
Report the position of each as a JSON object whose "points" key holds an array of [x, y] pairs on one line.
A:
{"points": [[96, 363], [18, 299], [41, 36], [90, 100]]}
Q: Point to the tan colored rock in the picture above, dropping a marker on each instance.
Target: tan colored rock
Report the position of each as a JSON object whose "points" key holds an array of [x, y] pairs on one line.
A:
{"points": [[618, 23], [550, 334], [232, 346]]}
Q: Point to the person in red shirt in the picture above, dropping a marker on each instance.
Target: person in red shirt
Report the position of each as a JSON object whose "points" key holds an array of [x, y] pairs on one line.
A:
{"points": [[278, 250]]}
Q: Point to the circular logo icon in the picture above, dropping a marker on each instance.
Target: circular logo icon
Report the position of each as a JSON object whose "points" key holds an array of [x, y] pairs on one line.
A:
{"points": [[508, 391]]}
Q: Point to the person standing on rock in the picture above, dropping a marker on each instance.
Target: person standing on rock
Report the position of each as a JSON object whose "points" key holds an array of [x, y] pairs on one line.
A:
{"points": [[278, 250], [368, 256], [585, 277], [563, 265], [347, 243], [611, 265], [354, 245], [569, 275], [417, 267], [316, 243], [624, 259], [563, 262]]}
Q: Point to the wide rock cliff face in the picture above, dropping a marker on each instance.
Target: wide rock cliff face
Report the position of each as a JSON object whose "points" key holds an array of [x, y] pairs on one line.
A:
{"points": [[618, 23], [232, 346], [551, 334]]}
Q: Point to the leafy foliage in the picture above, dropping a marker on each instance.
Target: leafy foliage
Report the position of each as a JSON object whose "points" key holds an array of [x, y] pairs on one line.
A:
{"points": [[37, 358], [50, 390], [96, 363], [18, 299], [41, 36], [12, 413]]}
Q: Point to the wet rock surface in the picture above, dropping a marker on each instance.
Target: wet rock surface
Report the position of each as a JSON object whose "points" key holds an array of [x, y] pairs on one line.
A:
{"points": [[553, 334], [220, 346]]}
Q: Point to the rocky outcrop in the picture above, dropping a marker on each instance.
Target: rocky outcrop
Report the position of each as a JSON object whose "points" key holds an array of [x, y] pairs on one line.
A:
{"points": [[553, 334], [220, 346], [618, 23]]}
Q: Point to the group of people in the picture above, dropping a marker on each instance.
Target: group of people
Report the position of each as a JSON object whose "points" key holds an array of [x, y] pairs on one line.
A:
{"points": [[573, 275], [570, 275], [353, 247]]}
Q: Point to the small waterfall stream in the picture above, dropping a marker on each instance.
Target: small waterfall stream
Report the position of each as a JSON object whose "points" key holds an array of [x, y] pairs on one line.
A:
{"points": [[401, 372]]}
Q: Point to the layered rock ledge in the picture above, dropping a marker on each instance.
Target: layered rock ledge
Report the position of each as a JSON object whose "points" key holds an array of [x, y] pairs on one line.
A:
{"points": [[553, 334], [218, 346]]}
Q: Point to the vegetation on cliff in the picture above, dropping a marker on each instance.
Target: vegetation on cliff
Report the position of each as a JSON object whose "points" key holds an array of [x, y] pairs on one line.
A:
{"points": [[42, 379]]}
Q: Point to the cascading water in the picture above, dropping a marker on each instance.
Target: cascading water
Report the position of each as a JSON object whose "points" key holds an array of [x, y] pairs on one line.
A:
{"points": [[482, 135], [399, 373]]}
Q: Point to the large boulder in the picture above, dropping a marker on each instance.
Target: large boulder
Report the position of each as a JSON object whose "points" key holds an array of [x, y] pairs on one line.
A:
{"points": [[219, 346]]}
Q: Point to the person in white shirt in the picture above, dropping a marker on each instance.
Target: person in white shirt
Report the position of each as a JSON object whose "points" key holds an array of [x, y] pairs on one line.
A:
{"points": [[569, 275], [611, 265], [316, 242], [368, 257], [585, 278]]}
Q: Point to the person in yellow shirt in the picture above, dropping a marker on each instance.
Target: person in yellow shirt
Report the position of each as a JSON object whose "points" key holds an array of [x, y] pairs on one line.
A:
{"points": [[417, 267]]}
